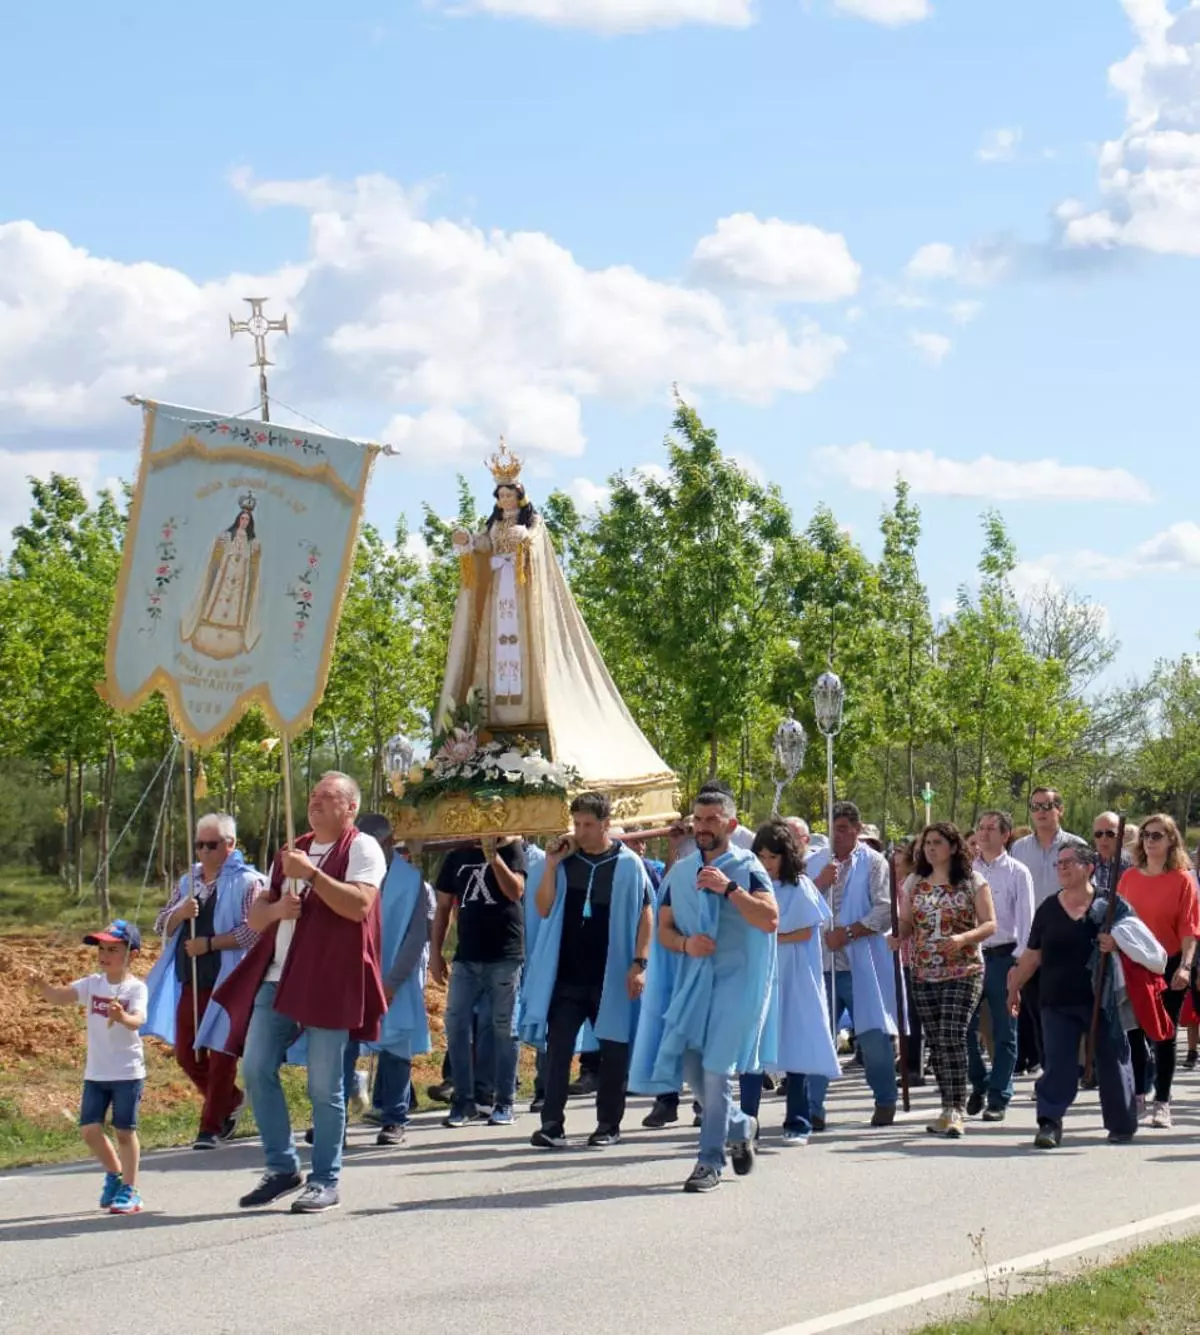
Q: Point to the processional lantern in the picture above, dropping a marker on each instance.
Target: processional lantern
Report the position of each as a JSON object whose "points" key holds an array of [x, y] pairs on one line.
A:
{"points": [[788, 750], [398, 757], [829, 696]]}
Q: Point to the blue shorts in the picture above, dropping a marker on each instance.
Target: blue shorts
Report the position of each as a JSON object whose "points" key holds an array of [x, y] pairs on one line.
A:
{"points": [[123, 1096]]}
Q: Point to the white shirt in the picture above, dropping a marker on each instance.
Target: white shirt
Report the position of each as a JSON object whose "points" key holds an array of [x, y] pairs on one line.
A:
{"points": [[366, 867], [740, 838], [1011, 885], [112, 1053], [1043, 862]]}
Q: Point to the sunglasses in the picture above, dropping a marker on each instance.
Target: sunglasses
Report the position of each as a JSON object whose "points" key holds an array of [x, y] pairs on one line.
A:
{"points": [[1043, 806], [1104, 834], [1153, 836], [210, 844]]}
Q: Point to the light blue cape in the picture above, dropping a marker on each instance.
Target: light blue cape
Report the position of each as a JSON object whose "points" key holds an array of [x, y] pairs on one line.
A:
{"points": [[405, 1029], [617, 1018], [233, 883], [724, 1006], [805, 1040]]}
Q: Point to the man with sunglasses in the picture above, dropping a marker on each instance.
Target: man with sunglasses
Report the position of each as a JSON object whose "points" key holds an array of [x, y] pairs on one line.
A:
{"points": [[1039, 852], [1104, 840], [215, 894]]}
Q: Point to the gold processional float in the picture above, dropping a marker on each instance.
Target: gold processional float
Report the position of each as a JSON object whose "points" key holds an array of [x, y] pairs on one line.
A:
{"points": [[529, 715]]}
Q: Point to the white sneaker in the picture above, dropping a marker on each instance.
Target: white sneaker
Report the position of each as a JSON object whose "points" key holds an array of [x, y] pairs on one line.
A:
{"points": [[1161, 1116], [1142, 1111], [793, 1138]]}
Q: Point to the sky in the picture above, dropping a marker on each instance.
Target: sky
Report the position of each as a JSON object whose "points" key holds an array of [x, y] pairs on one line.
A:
{"points": [[954, 240]]}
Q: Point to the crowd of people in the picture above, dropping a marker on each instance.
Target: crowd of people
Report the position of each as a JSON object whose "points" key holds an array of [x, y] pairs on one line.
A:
{"points": [[749, 954]]}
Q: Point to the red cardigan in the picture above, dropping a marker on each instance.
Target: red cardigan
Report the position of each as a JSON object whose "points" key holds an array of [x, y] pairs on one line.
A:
{"points": [[331, 977]]}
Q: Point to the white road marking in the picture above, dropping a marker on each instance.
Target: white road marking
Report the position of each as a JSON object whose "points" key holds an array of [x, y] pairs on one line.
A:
{"points": [[850, 1316]]}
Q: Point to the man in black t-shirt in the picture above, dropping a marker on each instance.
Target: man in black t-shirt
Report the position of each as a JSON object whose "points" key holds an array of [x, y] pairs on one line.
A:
{"points": [[605, 907], [487, 884]]}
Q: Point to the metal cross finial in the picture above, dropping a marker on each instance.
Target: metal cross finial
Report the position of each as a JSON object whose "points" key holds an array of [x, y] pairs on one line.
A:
{"points": [[258, 326]]}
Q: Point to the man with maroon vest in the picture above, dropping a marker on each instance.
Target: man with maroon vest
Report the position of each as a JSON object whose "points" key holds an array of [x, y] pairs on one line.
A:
{"points": [[313, 971]]}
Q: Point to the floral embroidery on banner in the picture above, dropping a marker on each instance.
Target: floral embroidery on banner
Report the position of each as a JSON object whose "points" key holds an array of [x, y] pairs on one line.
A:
{"points": [[166, 571], [301, 592], [260, 436]]}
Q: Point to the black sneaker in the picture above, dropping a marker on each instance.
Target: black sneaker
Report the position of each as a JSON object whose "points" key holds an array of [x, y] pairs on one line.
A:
{"points": [[602, 1138], [974, 1105], [443, 1093], [662, 1114], [1120, 1137], [585, 1085], [230, 1125], [308, 1136], [884, 1114], [316, 1199], [538, 1103], [1049, 1135], [702, 1178], [1191, 1059], [391, 1135], [205, 1141], [270, 1188], [698, 1119], [818, 1123], [373, 1117], [741, 1152], [995, 1114], [548, 1138]]}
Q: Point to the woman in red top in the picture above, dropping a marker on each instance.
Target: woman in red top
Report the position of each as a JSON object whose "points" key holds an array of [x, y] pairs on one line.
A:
{"points": [[1162, 891]]}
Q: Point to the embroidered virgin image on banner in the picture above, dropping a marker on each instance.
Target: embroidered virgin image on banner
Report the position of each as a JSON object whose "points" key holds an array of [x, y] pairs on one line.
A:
{"points": [[240, 542]]}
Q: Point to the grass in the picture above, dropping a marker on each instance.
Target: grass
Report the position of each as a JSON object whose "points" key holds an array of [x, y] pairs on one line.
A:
{"points": [[1155, 1291], [29, 900]]}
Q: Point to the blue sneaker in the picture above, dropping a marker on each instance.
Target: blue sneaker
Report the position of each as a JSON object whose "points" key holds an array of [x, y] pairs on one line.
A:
{"points": [[502, 1115], [457, 1117], [112, 1185], [128, 1201]]}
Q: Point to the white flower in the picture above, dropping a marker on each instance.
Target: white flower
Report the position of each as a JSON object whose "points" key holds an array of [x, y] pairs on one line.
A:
{"points": [[512, 775], [535, 768], [510, 760]]}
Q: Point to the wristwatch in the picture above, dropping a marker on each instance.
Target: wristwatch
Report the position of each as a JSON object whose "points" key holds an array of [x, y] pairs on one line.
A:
{"points": [[640, 961], [730, 888]]}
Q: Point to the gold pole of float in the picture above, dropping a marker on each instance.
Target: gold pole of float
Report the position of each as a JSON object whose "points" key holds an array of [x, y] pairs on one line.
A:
{"points": [[258, 325], [191, 847]]}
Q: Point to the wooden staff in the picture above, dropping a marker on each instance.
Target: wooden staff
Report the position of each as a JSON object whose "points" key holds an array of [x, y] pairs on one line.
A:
{"points": [[1089, 1059], [191, 836], [901, 1008], [289, 819]]}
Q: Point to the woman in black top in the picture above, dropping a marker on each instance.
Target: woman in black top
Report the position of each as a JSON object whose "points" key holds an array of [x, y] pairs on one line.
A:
{"points": [[1061, 941]]}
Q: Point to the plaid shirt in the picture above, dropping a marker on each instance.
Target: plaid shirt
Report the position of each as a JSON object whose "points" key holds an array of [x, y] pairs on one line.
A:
{"points": [[206, 889]]}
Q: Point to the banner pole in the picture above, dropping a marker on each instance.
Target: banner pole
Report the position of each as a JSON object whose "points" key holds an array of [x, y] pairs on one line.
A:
{"points": [[289, 819], [191, 847]]}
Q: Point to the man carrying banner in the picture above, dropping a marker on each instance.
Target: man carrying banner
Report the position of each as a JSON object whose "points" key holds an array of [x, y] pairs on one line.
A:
{"points": [[216, 894], [314, 970]]}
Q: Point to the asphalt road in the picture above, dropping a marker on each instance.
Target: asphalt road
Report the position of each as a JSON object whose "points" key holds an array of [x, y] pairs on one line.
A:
{"points": [[473, 1230]]}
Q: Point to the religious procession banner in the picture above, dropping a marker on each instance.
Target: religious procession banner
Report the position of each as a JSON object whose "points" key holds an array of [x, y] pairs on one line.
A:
{"points": [[239, 547]]}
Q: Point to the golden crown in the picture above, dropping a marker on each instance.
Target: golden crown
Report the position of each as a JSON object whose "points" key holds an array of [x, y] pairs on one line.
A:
{"points": [[246, 501], [505, 466]]}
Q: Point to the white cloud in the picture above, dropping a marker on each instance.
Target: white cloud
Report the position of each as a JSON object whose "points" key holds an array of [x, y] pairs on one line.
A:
{"points": [[866, 468], [751, 467], [1149, 178], [796, 261], [416, 547], [934, 348], [892, 13], [999, 145], [589, 496], [612, 16], [454, 333], [977, 265], [963, 312], [1174, 550]]}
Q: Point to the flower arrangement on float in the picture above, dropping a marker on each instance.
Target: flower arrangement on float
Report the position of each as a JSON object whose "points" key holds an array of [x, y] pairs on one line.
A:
{"points": [[465, 760]]}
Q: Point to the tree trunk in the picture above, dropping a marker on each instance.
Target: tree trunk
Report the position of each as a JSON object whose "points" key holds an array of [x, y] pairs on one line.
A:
{"points": [[77, 877], [308, 783], [103, 830], [64, 869], [887, 785], [745, 757], [337, 747], [954, 780], [979, 773]]}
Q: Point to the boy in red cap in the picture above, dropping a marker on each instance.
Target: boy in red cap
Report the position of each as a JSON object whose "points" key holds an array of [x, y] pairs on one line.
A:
{"points": [[116, 1069]]}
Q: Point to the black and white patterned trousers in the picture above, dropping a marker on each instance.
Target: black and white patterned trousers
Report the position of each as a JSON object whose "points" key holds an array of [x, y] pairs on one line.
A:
{"points": [[945, 1009]]}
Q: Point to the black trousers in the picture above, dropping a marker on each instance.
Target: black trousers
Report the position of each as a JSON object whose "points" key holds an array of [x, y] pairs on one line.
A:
{"points": [[1029, 1026], [1164, 1049], [570, 1007]]}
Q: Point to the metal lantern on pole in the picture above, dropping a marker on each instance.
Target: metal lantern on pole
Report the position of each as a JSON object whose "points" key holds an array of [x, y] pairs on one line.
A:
{"points": [[398, 756], [788, 750], [829, 697]]}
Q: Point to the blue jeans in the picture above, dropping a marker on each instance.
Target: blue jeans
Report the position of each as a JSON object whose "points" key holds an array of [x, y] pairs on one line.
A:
{"points": [[393, 1088], [350, 1069], [795, 1117], [270, 1036], [469, 982], [876, 1046], [996, 1085], [720, 1121], [1063, 1029], [124, 1096]]}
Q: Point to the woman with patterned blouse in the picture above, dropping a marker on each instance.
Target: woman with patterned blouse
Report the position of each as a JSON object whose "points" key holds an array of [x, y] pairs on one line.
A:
{"points": [[947, 912]]}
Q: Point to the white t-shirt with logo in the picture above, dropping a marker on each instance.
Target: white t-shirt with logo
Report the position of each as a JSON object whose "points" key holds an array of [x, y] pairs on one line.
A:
{"points": [[366, 867], [113, 1052]]}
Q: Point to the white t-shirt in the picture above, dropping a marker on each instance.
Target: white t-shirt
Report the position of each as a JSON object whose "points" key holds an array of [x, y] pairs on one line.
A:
{"points": [[366, 867], [740, 838], [113, 1053]]}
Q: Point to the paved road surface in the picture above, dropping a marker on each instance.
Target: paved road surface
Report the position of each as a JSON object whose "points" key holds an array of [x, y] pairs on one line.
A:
{"points": [[474, 1231]]}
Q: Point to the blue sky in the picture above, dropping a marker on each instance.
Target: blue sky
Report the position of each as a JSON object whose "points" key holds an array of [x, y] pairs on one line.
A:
{"points": [[954, 238]]}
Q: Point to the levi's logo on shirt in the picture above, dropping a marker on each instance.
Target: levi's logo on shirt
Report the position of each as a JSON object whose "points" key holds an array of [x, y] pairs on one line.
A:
{"points": [[100, 1006]]}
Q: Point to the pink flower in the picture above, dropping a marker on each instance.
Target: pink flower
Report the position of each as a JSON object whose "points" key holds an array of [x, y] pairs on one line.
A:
{"points": [[167, 530], [260, 436], [162, 570], [299, 625], [306, 596], [296, 440], [154, 598], [224, 428]]}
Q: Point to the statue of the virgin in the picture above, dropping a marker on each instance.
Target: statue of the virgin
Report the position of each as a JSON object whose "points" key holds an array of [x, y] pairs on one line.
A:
{"points": [[519, 640]]}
